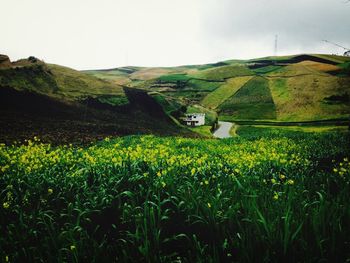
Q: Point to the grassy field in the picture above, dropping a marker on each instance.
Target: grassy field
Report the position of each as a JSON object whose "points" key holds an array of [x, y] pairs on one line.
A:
{"points": [[252, 101], [225, 91], [300, 86], [274, 196], [199, 85], [204, 130], [60, 82], [304, 98], [223, 72], [248, 130], [74, 84]]}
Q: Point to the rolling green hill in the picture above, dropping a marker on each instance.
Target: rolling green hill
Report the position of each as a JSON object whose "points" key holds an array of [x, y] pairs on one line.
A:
{"points": [[287, 88], [295, 88], [62, 104]]}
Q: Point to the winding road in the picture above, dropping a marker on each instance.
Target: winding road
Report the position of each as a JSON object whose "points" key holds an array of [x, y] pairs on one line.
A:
{"points": [[224, 130]]}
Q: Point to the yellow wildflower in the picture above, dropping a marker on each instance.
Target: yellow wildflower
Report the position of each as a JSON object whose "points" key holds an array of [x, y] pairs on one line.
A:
{"points": [[159, 174], [72, 247], [6, 205], [193, 171], [206, 182], [275, 196], [49, 191], [290, 182], [273, 181], [4, 168]]}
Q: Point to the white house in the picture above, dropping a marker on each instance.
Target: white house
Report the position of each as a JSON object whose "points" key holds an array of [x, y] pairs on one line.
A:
{"points": [[194, 119]]}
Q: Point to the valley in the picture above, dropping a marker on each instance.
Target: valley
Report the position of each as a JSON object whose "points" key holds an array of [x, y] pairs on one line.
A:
{"points": [[100, 164]]}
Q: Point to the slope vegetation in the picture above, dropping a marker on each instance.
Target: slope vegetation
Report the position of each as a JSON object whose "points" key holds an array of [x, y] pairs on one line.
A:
{"points": [[252, 101], [225, 91], [61, 104], [304, 87]]}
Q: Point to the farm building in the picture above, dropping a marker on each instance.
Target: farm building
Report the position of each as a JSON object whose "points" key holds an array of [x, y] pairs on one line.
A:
{"points": [[194, 119]]}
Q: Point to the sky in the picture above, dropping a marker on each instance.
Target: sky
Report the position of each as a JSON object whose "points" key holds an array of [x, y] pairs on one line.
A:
{"points": [[96, 34]]}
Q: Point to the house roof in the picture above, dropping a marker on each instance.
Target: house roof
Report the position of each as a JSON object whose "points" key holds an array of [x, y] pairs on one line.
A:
{"points": [[195, 114]]}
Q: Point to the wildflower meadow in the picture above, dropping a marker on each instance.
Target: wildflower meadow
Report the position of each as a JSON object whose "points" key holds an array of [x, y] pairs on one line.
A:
{"points": [[152, 199]]}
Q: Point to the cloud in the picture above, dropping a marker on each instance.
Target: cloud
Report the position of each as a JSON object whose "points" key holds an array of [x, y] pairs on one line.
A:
{"points": [[301, 25], [107, 33]]}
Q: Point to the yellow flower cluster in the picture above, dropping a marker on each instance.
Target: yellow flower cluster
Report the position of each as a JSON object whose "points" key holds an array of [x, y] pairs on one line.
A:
{"points": [[163, 157], [342, 168]]}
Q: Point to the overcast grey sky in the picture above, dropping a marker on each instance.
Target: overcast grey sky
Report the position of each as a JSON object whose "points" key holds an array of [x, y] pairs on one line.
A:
{"points": [[87, 34]]}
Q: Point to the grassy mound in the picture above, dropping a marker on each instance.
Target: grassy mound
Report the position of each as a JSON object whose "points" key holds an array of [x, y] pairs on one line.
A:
{"points": [[74, 84], [36, 78]]}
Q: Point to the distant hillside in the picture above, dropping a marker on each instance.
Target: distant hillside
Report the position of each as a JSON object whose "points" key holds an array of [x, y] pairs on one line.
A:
{"points": [[62, 104], [290, 88], [56, 81]]}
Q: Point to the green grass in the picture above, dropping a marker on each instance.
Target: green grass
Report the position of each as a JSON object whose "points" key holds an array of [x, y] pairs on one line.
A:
{"points": [[174, 78], [202, 85], [224, 72], [247, 130], [267, 69], [74, 84], [252, 101], [279, 89], [60, 82], [276, 196], [32, 78], [191, 96], [299, 91], [233, 130], [274, 58], [169, 105], [113, 100], [204, 130], [225, 91], [333, 58], [345, 69]]}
